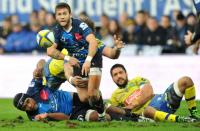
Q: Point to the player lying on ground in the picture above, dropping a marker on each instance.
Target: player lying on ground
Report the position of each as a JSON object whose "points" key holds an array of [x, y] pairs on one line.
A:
{"points": [[45, 103], [41, 102], [137, 95]]}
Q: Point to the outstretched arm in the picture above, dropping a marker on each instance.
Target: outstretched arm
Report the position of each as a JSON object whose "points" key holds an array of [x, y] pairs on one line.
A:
{"points": [[114, 52], [54, 116]]}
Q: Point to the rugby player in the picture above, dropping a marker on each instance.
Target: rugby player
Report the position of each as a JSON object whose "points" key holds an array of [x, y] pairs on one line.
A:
{"points": [[137, 95], [80, 42], [41, 102]]}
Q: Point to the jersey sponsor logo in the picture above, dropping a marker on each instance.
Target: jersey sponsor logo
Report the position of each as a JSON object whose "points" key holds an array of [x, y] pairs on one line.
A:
{"points": [[133, 96], [83, 26], [78, 36], [44, 95]]}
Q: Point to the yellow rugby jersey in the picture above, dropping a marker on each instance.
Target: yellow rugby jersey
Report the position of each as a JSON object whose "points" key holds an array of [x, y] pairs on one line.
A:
{"points": [[121, 97], [56, 67]]}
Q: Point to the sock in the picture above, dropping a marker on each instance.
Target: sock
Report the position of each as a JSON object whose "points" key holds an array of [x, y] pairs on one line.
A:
{"points": [[163, 116], [190, 97]]}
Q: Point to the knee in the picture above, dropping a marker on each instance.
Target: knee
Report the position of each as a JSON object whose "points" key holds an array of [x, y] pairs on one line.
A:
{"points": [[149, 112], [185, 81], [92, 115]]}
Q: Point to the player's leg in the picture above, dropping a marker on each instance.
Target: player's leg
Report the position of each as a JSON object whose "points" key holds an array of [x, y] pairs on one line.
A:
{"points": [[83, 94], [95, 97], [186, 87], [157, 115]]}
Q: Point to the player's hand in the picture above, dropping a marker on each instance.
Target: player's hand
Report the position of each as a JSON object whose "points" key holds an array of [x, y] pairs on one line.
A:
{"points": [[80, 82], [86, 68], [118, 42], [196, 47], [41, 116], [188, 38], [74, 62]]}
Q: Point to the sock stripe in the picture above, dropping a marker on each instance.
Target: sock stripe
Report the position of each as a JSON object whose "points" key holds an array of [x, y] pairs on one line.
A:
{"points": [[189, 99], [166, 117]]}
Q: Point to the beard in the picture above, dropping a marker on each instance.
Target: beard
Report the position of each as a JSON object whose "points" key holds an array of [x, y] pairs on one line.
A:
{"points": [[123, 85]]}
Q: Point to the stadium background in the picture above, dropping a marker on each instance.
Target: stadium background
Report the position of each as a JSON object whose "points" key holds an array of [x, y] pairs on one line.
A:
{"points": [[161, 69]]}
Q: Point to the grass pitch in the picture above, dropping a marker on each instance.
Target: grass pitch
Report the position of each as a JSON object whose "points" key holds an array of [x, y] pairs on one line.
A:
{"points": [[12, 119]]}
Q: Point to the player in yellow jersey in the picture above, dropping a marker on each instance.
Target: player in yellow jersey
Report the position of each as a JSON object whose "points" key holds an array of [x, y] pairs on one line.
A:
{"points": [[137, 95]]}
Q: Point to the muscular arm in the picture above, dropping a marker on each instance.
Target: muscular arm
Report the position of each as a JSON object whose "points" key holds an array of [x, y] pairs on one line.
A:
{"points": [[55, 53], [93, 45], [112, 53], [146, 93]]}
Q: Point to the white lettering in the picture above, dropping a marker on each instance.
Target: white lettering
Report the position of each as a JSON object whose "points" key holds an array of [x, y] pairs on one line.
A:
{"points": [[24, 6], [79, 7], [126, 6], [44, 3], [89, 7], [99, 7], [138, 5], [12, 4], [153, 5], [171, 5], [3, 6], [109, 7]]}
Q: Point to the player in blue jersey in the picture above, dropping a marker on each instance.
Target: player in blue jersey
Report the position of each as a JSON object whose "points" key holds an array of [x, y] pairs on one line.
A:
{"points": [[80, 42], [194, 38], [41, 103]]}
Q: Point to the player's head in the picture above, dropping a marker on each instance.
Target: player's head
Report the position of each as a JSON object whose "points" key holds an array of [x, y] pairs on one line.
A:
{"points": [[119, 75], [63, 14], [24, 102], [88, 21]]}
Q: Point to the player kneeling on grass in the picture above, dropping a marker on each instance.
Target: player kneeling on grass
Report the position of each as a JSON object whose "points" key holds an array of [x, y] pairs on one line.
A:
{"points": [[41, 102], [137, 95]]}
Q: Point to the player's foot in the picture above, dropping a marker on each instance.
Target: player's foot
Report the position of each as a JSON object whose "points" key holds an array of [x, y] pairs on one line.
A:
{"points": [[185, 119], [194, 114], [145, 119]]}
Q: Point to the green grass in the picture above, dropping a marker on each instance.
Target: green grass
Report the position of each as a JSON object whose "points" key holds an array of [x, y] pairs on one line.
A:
{"points": [[13, 119]]}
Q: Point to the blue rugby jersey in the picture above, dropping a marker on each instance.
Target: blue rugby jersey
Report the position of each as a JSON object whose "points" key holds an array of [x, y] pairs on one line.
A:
{"points": [[48, 100], [74, 40]]}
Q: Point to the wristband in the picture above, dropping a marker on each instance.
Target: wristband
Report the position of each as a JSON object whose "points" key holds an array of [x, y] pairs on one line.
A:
{"points": [[88, 58], [66, 58]]}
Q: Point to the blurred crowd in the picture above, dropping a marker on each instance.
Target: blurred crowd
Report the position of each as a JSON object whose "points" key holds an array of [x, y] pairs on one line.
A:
{"points": [[144, 33]]}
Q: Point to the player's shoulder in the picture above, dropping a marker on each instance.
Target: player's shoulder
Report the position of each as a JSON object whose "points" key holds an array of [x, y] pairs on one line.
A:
{"points": [[76, 22], [138, 79], [56, 28]]}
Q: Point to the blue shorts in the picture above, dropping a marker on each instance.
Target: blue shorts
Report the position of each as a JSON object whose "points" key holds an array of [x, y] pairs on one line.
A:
{"points": [[168, 102], [52, 82]]}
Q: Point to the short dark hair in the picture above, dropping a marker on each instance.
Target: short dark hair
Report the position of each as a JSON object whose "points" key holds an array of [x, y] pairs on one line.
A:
{"points": [[63, 5], [19, 100], [116, 66]]}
